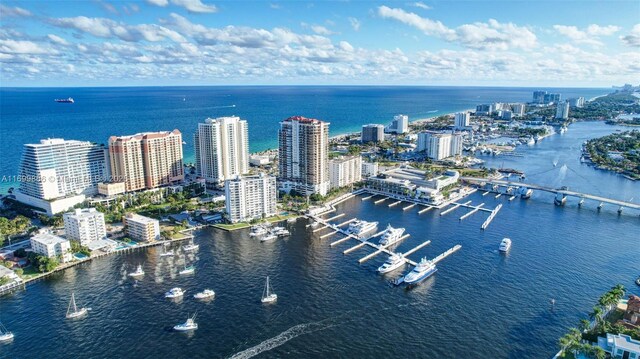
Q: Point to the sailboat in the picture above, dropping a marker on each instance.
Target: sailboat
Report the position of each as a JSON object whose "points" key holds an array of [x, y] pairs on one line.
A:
{"points": [[5, 335], [267, 295], [73, 311]]}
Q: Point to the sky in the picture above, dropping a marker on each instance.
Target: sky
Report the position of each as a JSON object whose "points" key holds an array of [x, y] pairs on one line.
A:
{"points": [[206, 42]]}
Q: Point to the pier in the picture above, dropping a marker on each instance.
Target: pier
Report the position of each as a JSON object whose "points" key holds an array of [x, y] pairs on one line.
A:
{"points": [[416, 248], [328, 234], [447, 253], [366, 198], [472, 211], [425, 210], [381, 200], [456, 206], [394, 204], [491, 216], [409, 207], [335, 217], [347, 222]]}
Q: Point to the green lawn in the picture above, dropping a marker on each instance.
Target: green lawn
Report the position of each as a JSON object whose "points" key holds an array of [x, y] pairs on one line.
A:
{"points": [[29, 272], [241, 225]]}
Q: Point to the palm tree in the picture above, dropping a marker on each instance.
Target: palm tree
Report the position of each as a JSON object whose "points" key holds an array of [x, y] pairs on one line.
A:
{"points": [[596, 315], [571, 341], [585, 325]]}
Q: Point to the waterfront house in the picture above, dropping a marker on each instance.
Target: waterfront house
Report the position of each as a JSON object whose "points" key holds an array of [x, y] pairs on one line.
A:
{"points": [[620, 346], [51, 246], [632, 314]]}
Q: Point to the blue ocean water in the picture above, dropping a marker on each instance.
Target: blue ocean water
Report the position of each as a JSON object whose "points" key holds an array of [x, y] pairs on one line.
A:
{"points": [[30, 114], [480, 303]]}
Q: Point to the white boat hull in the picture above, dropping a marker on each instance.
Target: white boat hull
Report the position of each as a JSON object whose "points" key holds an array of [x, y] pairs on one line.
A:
{"points": [[6, 337], [79, 314], [386, 269], [182, 328], [270, 299]]}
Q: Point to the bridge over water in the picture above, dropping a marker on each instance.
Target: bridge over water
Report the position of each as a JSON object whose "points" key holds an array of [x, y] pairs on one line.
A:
{"points": [[563, 191]]}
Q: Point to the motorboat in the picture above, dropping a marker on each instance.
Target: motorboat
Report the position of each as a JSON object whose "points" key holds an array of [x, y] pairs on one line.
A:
{"points": [[394, 262], [422, 271], [360, 228], [391, 235], [257, 231], [189, 325], [505, 245], [267, 294], [73, 312], [280, 231], [187, 270], [191, 247], [174, 293], [268, 238], [205, 294], [138, 272]]}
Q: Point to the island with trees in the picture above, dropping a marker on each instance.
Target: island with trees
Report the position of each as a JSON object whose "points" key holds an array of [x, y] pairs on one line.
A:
{"points": [[619, 152]]}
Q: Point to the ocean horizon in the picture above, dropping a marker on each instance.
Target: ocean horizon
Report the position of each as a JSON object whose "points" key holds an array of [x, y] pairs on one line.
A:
{"points": [[29, 114]]}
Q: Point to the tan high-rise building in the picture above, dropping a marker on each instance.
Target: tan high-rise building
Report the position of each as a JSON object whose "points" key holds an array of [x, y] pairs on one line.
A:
{"points": [[146, 160], [303, 155]]}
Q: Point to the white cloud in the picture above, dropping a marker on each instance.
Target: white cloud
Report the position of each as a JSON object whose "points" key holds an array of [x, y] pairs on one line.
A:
{"points": [[161, 3], [107, 28], [321, 30], [589, 36], [422, 5], [633, 38], [57, 39], [491, 35], [195, 6], [13, 11], [274, 6], [355, 23], [22, 47]]}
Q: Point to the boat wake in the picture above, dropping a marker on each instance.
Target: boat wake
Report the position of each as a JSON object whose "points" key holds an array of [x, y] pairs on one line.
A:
{"points": [[278, 340], [227, 106]]}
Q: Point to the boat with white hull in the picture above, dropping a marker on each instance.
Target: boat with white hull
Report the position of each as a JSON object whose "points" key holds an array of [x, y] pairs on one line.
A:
{"points": [[268, 296], [422, 271], [73, 312], [174, 293], [392, 263], [5, 335], [205, 294], [505, 245], [139, 272], [391, 235], [360, 228], [190, 324]]}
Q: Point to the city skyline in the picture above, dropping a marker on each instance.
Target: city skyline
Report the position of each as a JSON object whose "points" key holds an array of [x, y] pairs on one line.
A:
{"points": [[195, 42]]}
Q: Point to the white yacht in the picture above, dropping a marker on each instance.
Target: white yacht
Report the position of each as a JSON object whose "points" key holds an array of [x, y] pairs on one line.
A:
{"points": [[138, 272], [191, 247], [5, 335], [391, 235], [505, 245], [205, 294], [267, 295], [268, 238], [174, 293], [280, 231], [187, 270], [393, 262], [168, 253], [73, 311], [422, 271], [257, 231], [190, 324], [359, 228]]}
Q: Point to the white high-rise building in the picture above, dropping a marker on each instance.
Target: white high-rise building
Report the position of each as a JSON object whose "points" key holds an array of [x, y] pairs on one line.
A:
{"points": [[51, 246], [250, 197], [84, 225], [562, 111], [576, 102], [456, 144], [303, 154], [518, 109], [57, 174], [222, 149], [141, 228], [344, 171], [438, 146], [369, 169], [462, 120], [399, 125]]}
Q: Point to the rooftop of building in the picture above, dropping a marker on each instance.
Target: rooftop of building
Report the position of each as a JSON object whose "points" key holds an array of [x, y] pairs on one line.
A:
{"points": [[140, 219], [48, 239], [342, 159], [302, 119], [145, 135], [223, 119], [55, 141], [622, 341], [373, 125], [82, 212]]}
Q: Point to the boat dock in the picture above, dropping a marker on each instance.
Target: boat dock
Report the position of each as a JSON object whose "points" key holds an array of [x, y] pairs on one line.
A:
{"points": [[347, 222], [426, 209], [394, 204], [381, 200], [328, 234], [478, 207], [408, 207], [381, 249], [491, 216], [415, 249], [453, 208], [335, 217], [368, 197], [446, 253]]}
